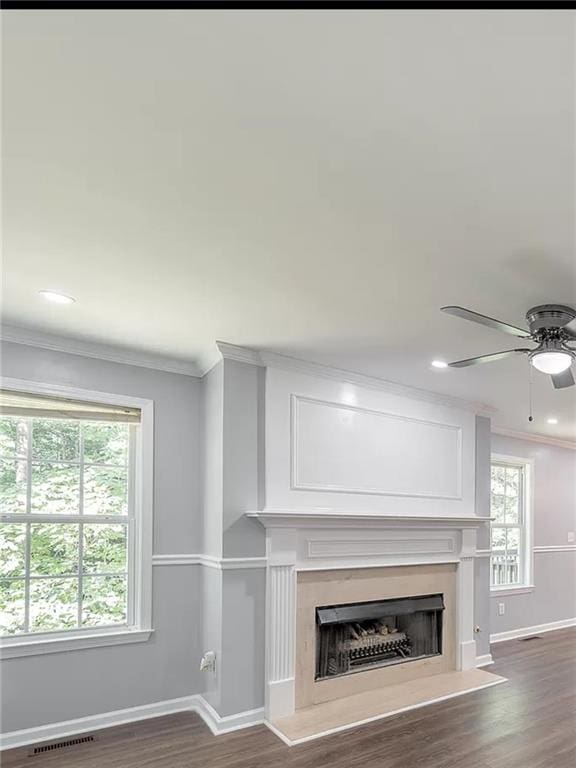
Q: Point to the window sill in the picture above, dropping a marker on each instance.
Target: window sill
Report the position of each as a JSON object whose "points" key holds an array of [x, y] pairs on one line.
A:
{"points": [[523, 589], [15, 647]]}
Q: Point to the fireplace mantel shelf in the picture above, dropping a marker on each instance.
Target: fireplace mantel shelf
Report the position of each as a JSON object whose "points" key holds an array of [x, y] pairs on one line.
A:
{"points": [[285, 518]]}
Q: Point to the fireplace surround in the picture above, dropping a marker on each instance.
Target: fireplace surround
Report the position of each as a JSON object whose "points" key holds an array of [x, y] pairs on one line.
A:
{"points": [[327, 559], [361, 585]]}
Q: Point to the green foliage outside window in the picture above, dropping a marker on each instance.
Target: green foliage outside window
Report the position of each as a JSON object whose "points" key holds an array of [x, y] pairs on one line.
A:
{"points": [[63, 574]]}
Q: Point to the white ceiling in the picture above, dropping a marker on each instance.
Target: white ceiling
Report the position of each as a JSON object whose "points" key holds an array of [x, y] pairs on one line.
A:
{"points": [[316, 183]]}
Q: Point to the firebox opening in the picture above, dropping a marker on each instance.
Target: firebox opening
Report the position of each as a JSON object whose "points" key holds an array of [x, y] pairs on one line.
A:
{"points": [[359, 636]]}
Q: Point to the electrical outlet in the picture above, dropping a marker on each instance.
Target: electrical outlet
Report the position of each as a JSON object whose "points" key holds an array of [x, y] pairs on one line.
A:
{"points": [[501, 609], [208, 662], [571, 537]]}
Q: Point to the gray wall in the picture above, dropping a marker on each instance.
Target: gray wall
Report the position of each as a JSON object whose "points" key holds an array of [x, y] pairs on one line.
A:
{"points": [[243, 647], [243, 591], [212, 419], [554, 596], [234, 599], [243, 458], [62, 686]]}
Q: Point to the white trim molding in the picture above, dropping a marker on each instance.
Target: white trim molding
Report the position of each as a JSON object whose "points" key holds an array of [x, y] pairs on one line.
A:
{"points": [[225, 351], [194, 703], [109, 352], [239, 354], [37, 645], [228, 723], [265, 359], [314, 517], [184, 559], [534, 438], [485, 660], [233, 563], [537, 550], [210, 561], [510, 591], [538, 629], [274, 360], [556, 548]]}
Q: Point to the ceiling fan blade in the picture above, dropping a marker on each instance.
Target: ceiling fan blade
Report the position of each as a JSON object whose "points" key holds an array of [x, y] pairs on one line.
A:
{"points": [[563, 380], [570, 328], [486, 358], [475, 317]]}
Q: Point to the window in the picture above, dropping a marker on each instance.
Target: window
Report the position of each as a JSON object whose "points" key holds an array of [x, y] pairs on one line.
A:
{"points": [[510, 565], [72, 525]]}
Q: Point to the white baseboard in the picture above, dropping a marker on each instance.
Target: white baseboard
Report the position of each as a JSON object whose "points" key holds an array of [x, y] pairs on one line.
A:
{"points": [[538, 629], [219, 724], [485, 660], [195, 703]]}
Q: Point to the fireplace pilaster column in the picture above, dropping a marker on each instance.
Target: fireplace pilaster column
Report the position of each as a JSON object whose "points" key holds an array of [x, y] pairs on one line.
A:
{"points": [[466, 641], [281, 624]]}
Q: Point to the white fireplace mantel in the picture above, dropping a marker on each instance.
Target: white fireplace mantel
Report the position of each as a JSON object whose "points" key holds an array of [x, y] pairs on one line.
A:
{"points": [[317, 539], [286, 518]]}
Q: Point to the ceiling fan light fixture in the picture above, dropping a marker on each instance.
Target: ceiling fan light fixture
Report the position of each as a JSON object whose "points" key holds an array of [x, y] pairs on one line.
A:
{"points": [[551, 362]]}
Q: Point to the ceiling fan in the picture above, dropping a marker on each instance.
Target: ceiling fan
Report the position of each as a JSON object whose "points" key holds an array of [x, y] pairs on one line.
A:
{"points": [[551, 327]]}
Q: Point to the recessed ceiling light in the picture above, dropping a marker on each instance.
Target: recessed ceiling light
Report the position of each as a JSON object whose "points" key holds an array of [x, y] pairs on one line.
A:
{"points": [[57, 298], [552, 420], [439, 364]]}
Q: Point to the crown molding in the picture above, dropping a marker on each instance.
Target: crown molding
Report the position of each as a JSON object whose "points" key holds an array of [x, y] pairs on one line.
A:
{"points": [[225, 351], [372, 382], [239, 354], [222, 350], [265, 359], [533, 438], [96, 350]]}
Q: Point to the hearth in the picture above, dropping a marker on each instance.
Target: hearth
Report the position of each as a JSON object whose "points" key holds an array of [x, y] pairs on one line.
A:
{"points": [[355, 637]]}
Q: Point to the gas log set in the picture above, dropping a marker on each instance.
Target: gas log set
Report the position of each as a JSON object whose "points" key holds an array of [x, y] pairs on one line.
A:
{"points": [[375, 641]]}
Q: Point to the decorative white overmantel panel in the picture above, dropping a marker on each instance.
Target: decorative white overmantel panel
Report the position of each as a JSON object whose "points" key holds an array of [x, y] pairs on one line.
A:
{"points": [[337, 445], [300, 540], [395, 455]]}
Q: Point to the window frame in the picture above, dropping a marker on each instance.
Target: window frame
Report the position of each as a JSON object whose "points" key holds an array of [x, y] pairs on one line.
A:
{"points": [[140, 526], [525, 584]]}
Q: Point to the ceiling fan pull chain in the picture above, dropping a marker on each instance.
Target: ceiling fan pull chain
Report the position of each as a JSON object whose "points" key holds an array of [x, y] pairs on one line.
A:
{"points": [[530, 416]]}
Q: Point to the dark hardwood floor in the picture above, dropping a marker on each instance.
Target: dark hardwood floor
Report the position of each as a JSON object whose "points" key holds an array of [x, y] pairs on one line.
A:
{"points": [[529, 722]]}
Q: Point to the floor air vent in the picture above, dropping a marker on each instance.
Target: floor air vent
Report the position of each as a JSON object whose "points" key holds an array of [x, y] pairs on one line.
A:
{"points": [[43, 748], [526, 639]]}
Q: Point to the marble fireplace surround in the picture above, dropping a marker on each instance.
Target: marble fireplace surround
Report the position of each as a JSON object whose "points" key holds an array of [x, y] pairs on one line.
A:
{"points": [[300, 543]]}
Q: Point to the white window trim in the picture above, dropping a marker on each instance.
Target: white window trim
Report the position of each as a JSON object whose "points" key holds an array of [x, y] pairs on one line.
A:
{"points": [[527, 584], [51, 642]]}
